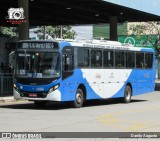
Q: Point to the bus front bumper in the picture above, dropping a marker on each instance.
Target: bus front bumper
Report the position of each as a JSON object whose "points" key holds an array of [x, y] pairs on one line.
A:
{"points": [[53, 96]]}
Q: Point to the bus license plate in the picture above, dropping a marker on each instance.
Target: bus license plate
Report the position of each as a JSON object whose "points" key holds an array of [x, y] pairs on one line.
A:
{"points": [[32, 95]]}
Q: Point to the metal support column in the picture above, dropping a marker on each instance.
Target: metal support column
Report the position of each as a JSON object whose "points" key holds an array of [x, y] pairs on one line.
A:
{"points": [[1, 86], [23, 28], [113, 28]]}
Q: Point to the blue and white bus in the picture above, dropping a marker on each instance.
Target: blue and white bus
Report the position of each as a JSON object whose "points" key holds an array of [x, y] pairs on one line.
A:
{"points": [[77, 71]]}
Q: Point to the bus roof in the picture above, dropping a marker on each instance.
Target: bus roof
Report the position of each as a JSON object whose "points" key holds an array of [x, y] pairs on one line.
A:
{"points": [[105, 44]]}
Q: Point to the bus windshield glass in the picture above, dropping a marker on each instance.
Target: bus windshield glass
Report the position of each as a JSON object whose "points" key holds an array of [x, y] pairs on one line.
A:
{"points": [[38, 64]]}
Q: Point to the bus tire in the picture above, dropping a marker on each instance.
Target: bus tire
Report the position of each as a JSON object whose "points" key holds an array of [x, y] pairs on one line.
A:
{"points": [[127, 94], [79, 98], [40, 103]]}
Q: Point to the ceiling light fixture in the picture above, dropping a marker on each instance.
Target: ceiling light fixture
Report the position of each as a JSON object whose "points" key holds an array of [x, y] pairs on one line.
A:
{"points": [[68, 8]]}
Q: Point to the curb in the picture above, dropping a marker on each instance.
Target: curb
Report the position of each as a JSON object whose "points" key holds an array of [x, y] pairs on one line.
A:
{"points": [[7, 99]]}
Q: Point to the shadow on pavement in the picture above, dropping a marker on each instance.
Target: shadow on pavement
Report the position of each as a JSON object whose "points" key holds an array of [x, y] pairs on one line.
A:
{"points": [[64, 105]]}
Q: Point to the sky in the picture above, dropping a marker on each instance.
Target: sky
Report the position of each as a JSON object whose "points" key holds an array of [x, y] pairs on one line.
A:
{"points": [[149, 6]]}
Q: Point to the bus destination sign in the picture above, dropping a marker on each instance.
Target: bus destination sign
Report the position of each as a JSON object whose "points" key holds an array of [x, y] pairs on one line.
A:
{"points": [[38, 45]]}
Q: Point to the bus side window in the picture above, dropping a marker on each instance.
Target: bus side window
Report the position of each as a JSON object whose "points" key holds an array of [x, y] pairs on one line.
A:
{"points": [[140, 60], [130, 59], [108, 58], [119, 59], [148, 60], [83, 58], [96, 58]]}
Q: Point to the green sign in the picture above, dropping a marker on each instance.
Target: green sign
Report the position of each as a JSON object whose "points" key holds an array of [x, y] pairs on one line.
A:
{"points": [[137, 41]]}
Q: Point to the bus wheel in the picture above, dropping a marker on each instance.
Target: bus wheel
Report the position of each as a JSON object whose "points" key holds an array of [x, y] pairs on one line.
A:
{"points": [[79, 98], [127, 94], [40, 103]]}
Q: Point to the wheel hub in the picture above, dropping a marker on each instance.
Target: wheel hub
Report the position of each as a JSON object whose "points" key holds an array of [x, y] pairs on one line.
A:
{"points": [[79, 98]]}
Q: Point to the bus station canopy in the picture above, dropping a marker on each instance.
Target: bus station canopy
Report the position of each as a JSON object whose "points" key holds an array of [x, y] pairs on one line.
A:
{"points": [[72, 12]]}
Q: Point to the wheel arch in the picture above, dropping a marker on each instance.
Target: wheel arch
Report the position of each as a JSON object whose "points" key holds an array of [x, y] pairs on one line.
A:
{"points": [[83, 88]]}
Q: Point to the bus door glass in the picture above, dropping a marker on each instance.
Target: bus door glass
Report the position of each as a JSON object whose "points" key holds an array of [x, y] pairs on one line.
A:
{"points": [[68, 63]]}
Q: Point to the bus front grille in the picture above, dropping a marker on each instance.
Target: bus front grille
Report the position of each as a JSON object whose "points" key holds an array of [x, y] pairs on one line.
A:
{"points": [[34, 94]]}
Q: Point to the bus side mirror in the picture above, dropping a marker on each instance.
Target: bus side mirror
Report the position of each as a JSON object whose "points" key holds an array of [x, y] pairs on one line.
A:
{"points": [[12, 59]]}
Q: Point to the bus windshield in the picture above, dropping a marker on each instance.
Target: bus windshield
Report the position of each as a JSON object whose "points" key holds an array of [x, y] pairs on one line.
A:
{"points": [[38, 64]]}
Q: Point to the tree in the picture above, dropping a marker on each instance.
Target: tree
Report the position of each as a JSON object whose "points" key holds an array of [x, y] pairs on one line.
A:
{"points": [[8, 31], [150, 29], [55, 32]]}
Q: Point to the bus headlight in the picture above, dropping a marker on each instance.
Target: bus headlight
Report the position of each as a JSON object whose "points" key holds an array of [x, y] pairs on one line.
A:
{"points": [[15, 87], [53, 88]]}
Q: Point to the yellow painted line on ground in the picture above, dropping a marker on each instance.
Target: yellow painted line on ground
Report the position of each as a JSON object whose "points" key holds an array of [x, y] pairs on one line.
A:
{"points": [[108, 119], [111, 120], [137, 126]]}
